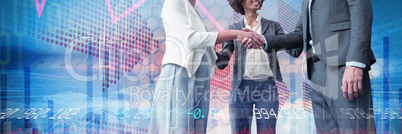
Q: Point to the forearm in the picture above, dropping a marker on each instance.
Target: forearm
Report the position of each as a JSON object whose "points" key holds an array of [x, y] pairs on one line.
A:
{"points": [[227, 36], [292, 52], [286, 41]]}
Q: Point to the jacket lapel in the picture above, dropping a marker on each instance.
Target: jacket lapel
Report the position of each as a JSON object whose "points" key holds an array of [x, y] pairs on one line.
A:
{"points": [[239, 26], [264, 25]]}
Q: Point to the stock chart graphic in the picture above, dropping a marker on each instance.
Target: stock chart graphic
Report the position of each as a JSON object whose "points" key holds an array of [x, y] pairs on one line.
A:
{"points": [[80, 66]]}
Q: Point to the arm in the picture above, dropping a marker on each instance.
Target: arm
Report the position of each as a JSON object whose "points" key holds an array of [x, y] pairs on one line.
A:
{"points": [[295, 52], [286, 41], [361, 18], [175, 15], [231, 35]]}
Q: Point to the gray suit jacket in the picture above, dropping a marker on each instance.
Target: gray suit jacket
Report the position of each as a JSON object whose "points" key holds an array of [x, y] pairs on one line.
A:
{"points": [[268, 27], [341, 31]]}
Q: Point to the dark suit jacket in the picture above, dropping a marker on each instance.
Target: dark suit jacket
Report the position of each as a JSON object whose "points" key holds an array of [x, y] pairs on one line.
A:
{"points": [[341, 31], [268, 27]]}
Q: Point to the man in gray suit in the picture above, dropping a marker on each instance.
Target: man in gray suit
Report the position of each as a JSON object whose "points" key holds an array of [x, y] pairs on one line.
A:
{"points": [[336, 35]]}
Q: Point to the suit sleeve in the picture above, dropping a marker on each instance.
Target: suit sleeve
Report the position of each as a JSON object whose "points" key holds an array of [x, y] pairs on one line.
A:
{"points": [[176, 17], [286, 41], [226, 53], [361, 18], [295, 52]]}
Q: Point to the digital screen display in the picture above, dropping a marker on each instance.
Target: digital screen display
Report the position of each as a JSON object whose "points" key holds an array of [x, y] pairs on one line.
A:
{"points": [[80, 66]]}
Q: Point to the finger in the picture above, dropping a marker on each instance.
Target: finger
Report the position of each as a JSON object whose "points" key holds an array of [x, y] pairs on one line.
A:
{"points": [[355, 90], [256, 46], [251, 46], [263, 41], [249, 43], [344, 89], [246, 44], [244, 41], [259, 42], [246, 30], [257, 39], [260, 38], [360, 86], [350, 91]]}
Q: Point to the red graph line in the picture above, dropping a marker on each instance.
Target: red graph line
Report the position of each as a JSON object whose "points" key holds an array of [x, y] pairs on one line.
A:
{"points": [[39, 7], [114, 19], [210, 17]]}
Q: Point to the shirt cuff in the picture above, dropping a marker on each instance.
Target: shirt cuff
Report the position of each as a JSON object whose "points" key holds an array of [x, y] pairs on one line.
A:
{"points": [[266, 44], [356, 64]]}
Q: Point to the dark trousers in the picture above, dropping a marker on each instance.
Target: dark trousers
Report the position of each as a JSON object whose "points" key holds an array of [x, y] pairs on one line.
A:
{"points": [[264, 95], [332, 112]]}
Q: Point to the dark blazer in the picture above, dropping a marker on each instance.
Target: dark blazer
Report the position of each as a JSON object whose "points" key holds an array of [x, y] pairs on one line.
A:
{"points": [[268, 27], [341, 31]]}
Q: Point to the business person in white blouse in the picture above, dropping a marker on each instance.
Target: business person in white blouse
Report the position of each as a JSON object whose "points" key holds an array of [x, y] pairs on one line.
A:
{"points": [[181, 100]]}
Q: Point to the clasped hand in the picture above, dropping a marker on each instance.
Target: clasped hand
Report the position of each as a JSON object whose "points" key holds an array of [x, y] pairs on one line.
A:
{"points": [[250, 39]]}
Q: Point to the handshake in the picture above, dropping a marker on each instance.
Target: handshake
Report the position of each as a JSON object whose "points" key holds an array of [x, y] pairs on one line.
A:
{"points": [[250, 39]]}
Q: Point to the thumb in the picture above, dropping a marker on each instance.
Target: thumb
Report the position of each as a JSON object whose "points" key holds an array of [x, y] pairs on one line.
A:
{"points": [[246, 30]]}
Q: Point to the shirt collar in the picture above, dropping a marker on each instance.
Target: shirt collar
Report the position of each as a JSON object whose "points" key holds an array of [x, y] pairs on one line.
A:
{"points": [[257, 20]]}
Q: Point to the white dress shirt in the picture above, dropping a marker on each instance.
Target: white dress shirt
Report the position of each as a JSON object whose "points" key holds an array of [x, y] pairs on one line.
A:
{"points": [[256, 63], [187, 38]]}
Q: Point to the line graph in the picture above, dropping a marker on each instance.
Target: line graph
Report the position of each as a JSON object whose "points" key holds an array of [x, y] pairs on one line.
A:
{"points": [[39, 7], [125, 13], [210, 17]]}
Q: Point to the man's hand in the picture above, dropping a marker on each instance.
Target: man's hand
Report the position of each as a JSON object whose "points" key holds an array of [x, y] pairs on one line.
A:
{"points": [[352, 82], [248, 43], [251, 39], [222, 61]]}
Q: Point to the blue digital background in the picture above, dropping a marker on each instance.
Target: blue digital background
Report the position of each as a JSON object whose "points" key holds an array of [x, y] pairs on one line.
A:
{"points": [[109, 60]]}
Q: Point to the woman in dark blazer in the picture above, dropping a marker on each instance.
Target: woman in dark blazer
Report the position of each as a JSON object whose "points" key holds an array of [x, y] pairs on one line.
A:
{"points": [[254, 72]]}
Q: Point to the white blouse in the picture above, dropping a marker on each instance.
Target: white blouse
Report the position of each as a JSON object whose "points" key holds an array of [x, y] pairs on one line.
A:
{"points": [[186, 36]]}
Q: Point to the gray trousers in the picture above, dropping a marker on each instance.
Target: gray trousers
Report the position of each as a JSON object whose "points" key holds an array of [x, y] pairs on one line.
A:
{"points": [[262, 93], [181, 104], [332, 112]]}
